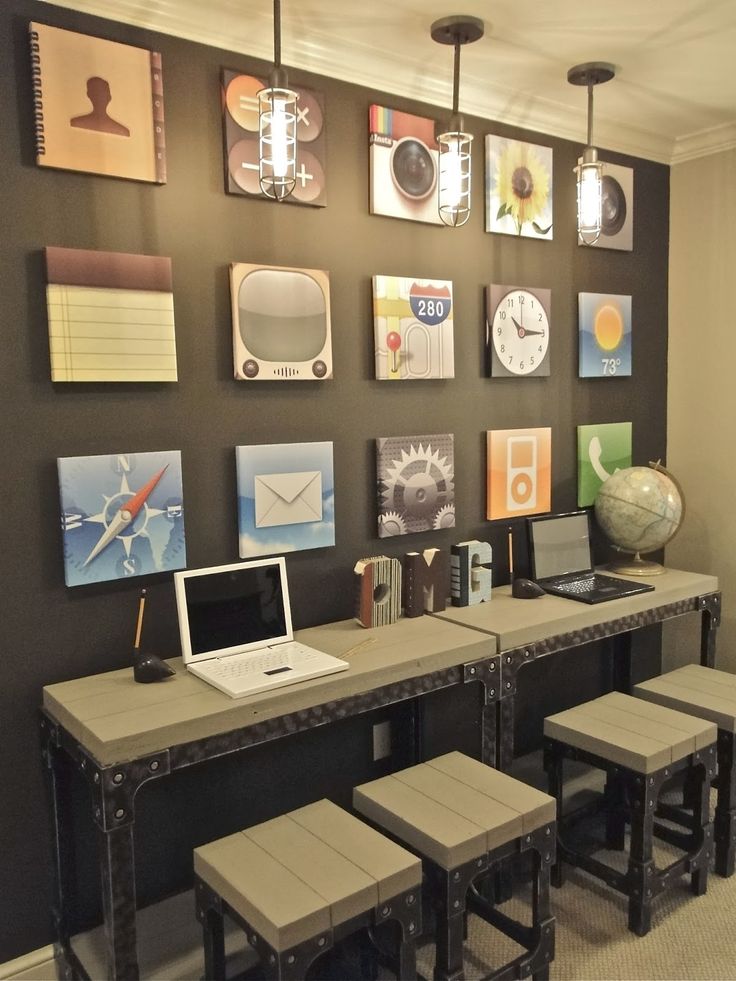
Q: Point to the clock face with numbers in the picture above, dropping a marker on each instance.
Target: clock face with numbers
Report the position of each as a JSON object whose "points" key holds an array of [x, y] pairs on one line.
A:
{"points": [[518, 330]]}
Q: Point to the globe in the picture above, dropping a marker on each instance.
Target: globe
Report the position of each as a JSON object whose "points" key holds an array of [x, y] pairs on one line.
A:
{"points": [[639, 509]]}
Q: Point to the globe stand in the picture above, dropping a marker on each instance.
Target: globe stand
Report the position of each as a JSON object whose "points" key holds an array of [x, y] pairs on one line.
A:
{"points": [[636, 566]]}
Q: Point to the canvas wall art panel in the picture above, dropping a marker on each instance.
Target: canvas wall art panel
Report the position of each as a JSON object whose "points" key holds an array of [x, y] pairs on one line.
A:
{"points": [[518, 324], [122, 515], [286, 498], [617, 209], [99, 105], [518, 188], [602, 450], [519, 472], [413, 328], [281, 323], [604, 332], [416, 483], [404, 164], [111, 316], [240, 131]]}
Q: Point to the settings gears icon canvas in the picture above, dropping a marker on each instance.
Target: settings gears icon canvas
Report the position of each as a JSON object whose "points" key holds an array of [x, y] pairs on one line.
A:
{"points": [[416, 484]]}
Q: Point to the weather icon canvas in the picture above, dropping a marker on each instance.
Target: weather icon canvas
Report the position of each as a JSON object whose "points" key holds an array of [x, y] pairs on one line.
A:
{"points": [[416, 483], [604, 328], [286, 498], [122, 515], [602, 450]]}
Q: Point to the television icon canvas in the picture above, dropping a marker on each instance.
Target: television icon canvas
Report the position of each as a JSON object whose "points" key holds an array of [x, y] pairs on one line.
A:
{"points": [[281, 323]]}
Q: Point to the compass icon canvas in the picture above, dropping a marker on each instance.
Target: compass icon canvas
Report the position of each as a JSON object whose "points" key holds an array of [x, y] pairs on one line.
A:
{"points": [[416, 483], [122, 515]]}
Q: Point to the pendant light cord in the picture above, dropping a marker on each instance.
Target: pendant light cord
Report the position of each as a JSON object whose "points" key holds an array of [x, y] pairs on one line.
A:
{"points": [[456, 79], [590, 114], [277, 33]]}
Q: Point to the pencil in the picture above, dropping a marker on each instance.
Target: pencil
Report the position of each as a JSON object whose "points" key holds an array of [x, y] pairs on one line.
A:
{"points": [[139, 625], [511, 553]]}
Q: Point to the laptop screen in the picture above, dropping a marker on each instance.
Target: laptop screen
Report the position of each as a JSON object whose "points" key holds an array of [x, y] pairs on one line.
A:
{"points": [[560, 544], [232, 608]]}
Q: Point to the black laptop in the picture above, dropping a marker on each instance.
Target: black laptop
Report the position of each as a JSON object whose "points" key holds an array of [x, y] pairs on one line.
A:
{"points": [[562, 560]]}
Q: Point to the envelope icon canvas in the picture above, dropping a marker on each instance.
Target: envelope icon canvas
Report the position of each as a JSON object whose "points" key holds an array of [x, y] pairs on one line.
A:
{"points": [[288, 498]]}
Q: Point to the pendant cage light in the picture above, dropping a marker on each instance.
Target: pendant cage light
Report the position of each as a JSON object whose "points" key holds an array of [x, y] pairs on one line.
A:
{"points": [[277, 119], [589, 169], [455, 169]]}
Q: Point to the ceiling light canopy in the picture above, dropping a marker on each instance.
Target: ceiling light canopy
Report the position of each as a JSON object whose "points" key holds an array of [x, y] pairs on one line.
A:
{"points": [[454, 144], [277, 120], [589, 170]]}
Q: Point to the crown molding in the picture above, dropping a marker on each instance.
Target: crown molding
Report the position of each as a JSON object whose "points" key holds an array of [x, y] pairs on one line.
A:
{"points": [[715, 139], [374, 68]]}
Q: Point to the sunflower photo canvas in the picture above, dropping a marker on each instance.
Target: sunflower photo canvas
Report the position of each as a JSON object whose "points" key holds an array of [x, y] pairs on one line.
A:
{"points": [[518, 188]]}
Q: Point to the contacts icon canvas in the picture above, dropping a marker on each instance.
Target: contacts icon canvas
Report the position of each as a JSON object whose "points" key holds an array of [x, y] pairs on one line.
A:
{"points": [[285, 498]]}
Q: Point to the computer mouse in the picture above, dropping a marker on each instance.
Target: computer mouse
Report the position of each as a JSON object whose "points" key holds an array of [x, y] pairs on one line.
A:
{"points": [[526, 589]]}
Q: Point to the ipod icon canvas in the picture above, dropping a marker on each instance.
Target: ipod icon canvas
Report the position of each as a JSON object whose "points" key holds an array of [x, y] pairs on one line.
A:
{"points": [[404, 162], [604, 330], [602, 450], [281, 323], [518, 472]]}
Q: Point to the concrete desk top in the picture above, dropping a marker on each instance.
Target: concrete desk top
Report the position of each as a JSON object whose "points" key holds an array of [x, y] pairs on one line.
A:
{"points": [[517, 622], [115, 719]]}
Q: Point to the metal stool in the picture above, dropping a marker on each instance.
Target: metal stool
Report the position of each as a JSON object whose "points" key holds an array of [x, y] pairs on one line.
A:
{"points": [[299, 884], [464, 819], [711, 695], [640, 747]]}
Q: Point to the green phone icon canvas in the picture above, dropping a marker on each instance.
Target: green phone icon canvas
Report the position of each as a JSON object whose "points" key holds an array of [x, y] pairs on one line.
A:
{"points": [[602, 450]]}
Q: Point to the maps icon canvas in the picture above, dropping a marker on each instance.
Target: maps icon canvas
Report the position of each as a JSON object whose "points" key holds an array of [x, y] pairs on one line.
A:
{"points": [[413, 328], [604, 330], [122, 515]]}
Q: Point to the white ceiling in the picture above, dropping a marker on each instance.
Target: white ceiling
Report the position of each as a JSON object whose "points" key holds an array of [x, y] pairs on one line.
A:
{"points": [[673, 97]]}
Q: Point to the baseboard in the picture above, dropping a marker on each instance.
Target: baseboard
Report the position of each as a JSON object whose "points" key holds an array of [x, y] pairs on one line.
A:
{"points": [[38, 965]]}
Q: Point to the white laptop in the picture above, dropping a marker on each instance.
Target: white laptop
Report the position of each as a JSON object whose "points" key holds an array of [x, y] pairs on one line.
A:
{"points": [[235, 626]]}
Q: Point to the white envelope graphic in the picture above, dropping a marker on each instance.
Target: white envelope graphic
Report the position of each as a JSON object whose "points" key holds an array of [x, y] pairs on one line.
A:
{"points": [[288, 498]]}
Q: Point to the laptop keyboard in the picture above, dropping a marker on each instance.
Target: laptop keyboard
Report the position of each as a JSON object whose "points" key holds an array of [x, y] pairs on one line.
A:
{"points": [[578, 585], [253, 662]]}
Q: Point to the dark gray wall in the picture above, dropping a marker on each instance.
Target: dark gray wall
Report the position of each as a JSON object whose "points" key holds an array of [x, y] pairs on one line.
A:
{"points": [[51, 633]]}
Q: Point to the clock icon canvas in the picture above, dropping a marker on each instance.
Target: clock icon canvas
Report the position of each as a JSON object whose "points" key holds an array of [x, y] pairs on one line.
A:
{"points": [[604, 327], [518, 324], [122, 515]]}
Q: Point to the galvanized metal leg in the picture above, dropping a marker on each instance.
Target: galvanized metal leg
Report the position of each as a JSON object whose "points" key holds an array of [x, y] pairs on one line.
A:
{"points": [[725, 817], [622, 662], [641, 865], [553, 765], [710, 607], [117, 869], [58, 798]]}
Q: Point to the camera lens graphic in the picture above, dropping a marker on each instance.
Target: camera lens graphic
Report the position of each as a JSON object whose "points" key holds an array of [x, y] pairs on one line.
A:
{"points": [[412, 168], [613, 206]]}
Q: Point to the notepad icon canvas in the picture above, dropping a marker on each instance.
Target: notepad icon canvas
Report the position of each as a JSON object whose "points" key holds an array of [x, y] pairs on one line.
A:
{"points": [[111, 316]]}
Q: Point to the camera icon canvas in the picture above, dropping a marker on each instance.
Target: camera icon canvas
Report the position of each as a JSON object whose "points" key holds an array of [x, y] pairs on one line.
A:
{"points": [[404, 161]]}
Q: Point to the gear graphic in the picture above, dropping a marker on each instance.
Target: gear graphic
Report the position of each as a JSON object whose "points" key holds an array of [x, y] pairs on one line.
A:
{"points": [[418, 485], [445, 517], [390, 524]]}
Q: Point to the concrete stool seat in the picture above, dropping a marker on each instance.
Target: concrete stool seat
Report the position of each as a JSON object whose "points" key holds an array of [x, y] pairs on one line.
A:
{"points": [[465, 818], [302, 882], [711, 695], [640, 747]]}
